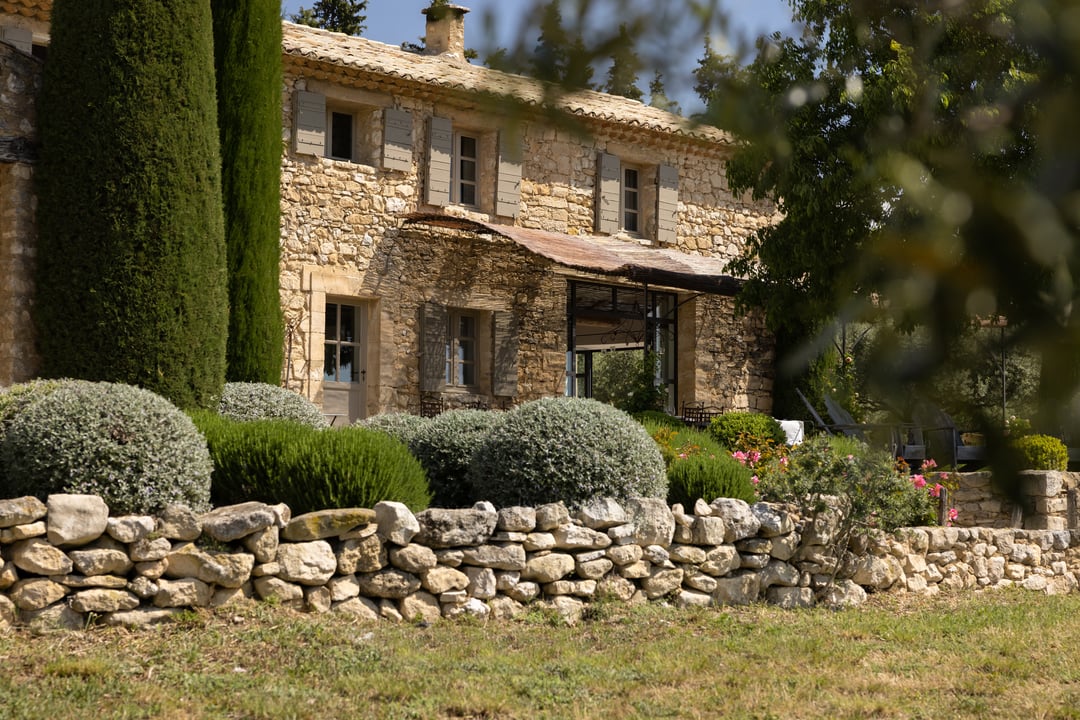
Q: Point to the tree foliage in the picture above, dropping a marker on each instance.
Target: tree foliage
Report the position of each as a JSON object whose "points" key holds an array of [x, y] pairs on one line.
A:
{"points": [[343, 16], [247, 53], [622, 76], [131, 283]]}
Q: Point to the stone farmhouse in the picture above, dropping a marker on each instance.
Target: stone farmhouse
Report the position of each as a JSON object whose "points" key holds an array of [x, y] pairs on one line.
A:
{"points": [[455, 236]]}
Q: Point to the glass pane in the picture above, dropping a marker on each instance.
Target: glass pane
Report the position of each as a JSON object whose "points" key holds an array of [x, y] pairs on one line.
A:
{"points": [[630, 222], [468, 194], [348, 323], [330, 363], [631, 200], [630, 178], [331, 321], [467, 146], [468, 375], [466, 326], [450, 363], [341, 140], [349, 370], [467, 351], [468, 171]]}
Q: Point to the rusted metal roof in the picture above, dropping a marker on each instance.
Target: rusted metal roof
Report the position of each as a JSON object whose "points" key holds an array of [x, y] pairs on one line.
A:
{"points": [[604, 255]]}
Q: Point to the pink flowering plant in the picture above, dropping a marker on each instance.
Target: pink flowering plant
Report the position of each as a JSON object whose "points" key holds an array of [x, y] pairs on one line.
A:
{"points": [[698, 467]]}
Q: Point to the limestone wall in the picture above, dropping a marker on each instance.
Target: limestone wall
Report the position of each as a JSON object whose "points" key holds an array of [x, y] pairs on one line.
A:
{"points": [[65, 561], [1048, 500], [20, 80]]}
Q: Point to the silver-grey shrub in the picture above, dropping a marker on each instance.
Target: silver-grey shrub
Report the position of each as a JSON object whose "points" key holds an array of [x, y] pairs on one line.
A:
{"points": [[15, 399], [401, 426], [568, 449], [249, 401], [445, 446], [130, 446]]}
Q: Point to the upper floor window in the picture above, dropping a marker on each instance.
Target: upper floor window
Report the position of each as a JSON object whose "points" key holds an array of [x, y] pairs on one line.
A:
{"points": [[631, 200], [637, 199], [349, 128], [339, 140], [466, 169]]}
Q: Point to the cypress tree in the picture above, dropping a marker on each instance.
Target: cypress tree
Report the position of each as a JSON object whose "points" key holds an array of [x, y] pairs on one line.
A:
{"points": [[247, 56], [131, 283]]}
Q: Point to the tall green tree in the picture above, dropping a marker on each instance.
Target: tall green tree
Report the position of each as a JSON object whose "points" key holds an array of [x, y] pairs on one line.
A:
{"points": [[658, 97], [343, 16], [131, 280], [247, 54], [622, 76], [561, 56]]}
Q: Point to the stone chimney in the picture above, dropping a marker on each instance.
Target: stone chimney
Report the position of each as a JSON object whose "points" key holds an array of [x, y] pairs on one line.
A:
{"points": [[444, 33]]}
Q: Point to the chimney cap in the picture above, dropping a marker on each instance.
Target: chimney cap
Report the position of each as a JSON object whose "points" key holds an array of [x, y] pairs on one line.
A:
{"points": [[438, 12]]}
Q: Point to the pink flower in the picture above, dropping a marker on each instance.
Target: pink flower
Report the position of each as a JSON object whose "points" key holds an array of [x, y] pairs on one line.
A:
{"points": [[682, 456], [784, 461], [929, 464], [919, 481], [740, 456], [850, 457], [755, 479], [953, 514], [754, 456], [935, 490]]}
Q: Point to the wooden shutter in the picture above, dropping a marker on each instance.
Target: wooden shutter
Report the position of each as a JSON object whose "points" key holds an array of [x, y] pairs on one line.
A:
{"points": [[608, 188], [667, 204], [433, 339], [505, 340], [440, 155], [397, 140], [508, 189], [310, 123], [20, 38]]}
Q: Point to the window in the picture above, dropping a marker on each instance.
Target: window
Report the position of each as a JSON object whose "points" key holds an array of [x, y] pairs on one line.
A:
{"points": [[341, 354], [631, 203], [461, 349], [465, 170], [339, 140]]}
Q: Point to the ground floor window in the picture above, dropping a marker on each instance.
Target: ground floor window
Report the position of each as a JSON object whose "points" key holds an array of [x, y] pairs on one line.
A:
{"points": [[461, 349], [341, 347], [614, 333]]}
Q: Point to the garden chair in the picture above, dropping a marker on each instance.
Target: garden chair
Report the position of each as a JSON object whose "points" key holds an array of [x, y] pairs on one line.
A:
{"points": [[879, 434], [944, 440], [697, 415]]}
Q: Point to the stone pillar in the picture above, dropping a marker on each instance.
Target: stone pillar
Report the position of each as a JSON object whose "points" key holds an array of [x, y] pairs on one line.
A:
{"points": [[444, 32]]}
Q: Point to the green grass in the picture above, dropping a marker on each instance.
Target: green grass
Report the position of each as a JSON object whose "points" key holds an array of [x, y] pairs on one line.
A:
{"points": [[1006, 654]]}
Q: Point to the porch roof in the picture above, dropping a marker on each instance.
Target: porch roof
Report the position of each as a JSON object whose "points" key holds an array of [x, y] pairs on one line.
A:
{"points": [[604, 255]]}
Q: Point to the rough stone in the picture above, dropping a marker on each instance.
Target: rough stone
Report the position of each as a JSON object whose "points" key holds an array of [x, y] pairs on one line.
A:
{"points": [[285, 592], [551, 516], [690, 598], [442, 579], [396, 522], [740, 520], [790, 598], [779, 573], [508, 557], [8, 575], [40, 558], [21, 511], [413, 558], [577, 588], [141, 617], [689, 554], [179, 522], [505, 608], [218, 568], [742, 589], [317, 599], [601, 513], [524, 592], [616, 587], [101, 562], [774, 522], [548, 568], [150, 550], [652, 520], [54, 618], [307, 563], [593, 569], [323, 524], [263, 544], [36, 593], [75, 519], [143, 587], [22, 532], [516, 519], [343, 587], [576, 537], [361, 555], [536, 541], [113, 582], [188, 592], [624, 554], [233, 522], [708, 530], [442, 528], [481, 582], [359, 607], [129, 528], [784, 547], [661, 582], [103, 601], [421, 606], [878, 573]]}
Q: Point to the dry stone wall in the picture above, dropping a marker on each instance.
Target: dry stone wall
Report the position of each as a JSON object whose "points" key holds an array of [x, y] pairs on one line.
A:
{"points": [[67, 561]]}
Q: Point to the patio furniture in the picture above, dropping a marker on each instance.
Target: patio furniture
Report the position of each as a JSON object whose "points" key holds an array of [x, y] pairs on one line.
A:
{"points": [[431, 405], [698, 415], [944, 440]]}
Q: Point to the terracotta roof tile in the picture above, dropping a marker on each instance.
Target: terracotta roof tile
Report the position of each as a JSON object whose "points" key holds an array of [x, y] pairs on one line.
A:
{"points": [[393, 63]]}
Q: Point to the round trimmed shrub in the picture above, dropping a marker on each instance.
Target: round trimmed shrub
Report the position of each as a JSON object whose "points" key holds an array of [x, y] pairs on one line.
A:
{"points": [[708, 477], [568, 449], [445, 446], [400, 426], [15, 399], [746, 430], [309, 469], [1041, 452], [247, 401], [130, 446]]}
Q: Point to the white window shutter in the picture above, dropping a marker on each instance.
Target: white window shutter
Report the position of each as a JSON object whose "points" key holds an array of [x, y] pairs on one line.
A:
{"points": [[508, 190], [608, 190], [440, 156], [505, 341], [397, 140], [20, 38], [433, 339], [310, 123], [667, 204]]}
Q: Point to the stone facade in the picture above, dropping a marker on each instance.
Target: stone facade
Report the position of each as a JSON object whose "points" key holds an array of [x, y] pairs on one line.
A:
{"points": [[1048, 500], [20, 80], [362, 124], [66, 559]]}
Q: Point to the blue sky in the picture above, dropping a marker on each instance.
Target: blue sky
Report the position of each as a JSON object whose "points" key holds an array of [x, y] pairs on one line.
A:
{"points": [[396, 21]]}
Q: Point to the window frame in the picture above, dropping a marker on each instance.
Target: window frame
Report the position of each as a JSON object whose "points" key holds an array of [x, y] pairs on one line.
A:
{"points": [[337, 343], [456, 366], [332, 134], [458, 182], [626, 192]]}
